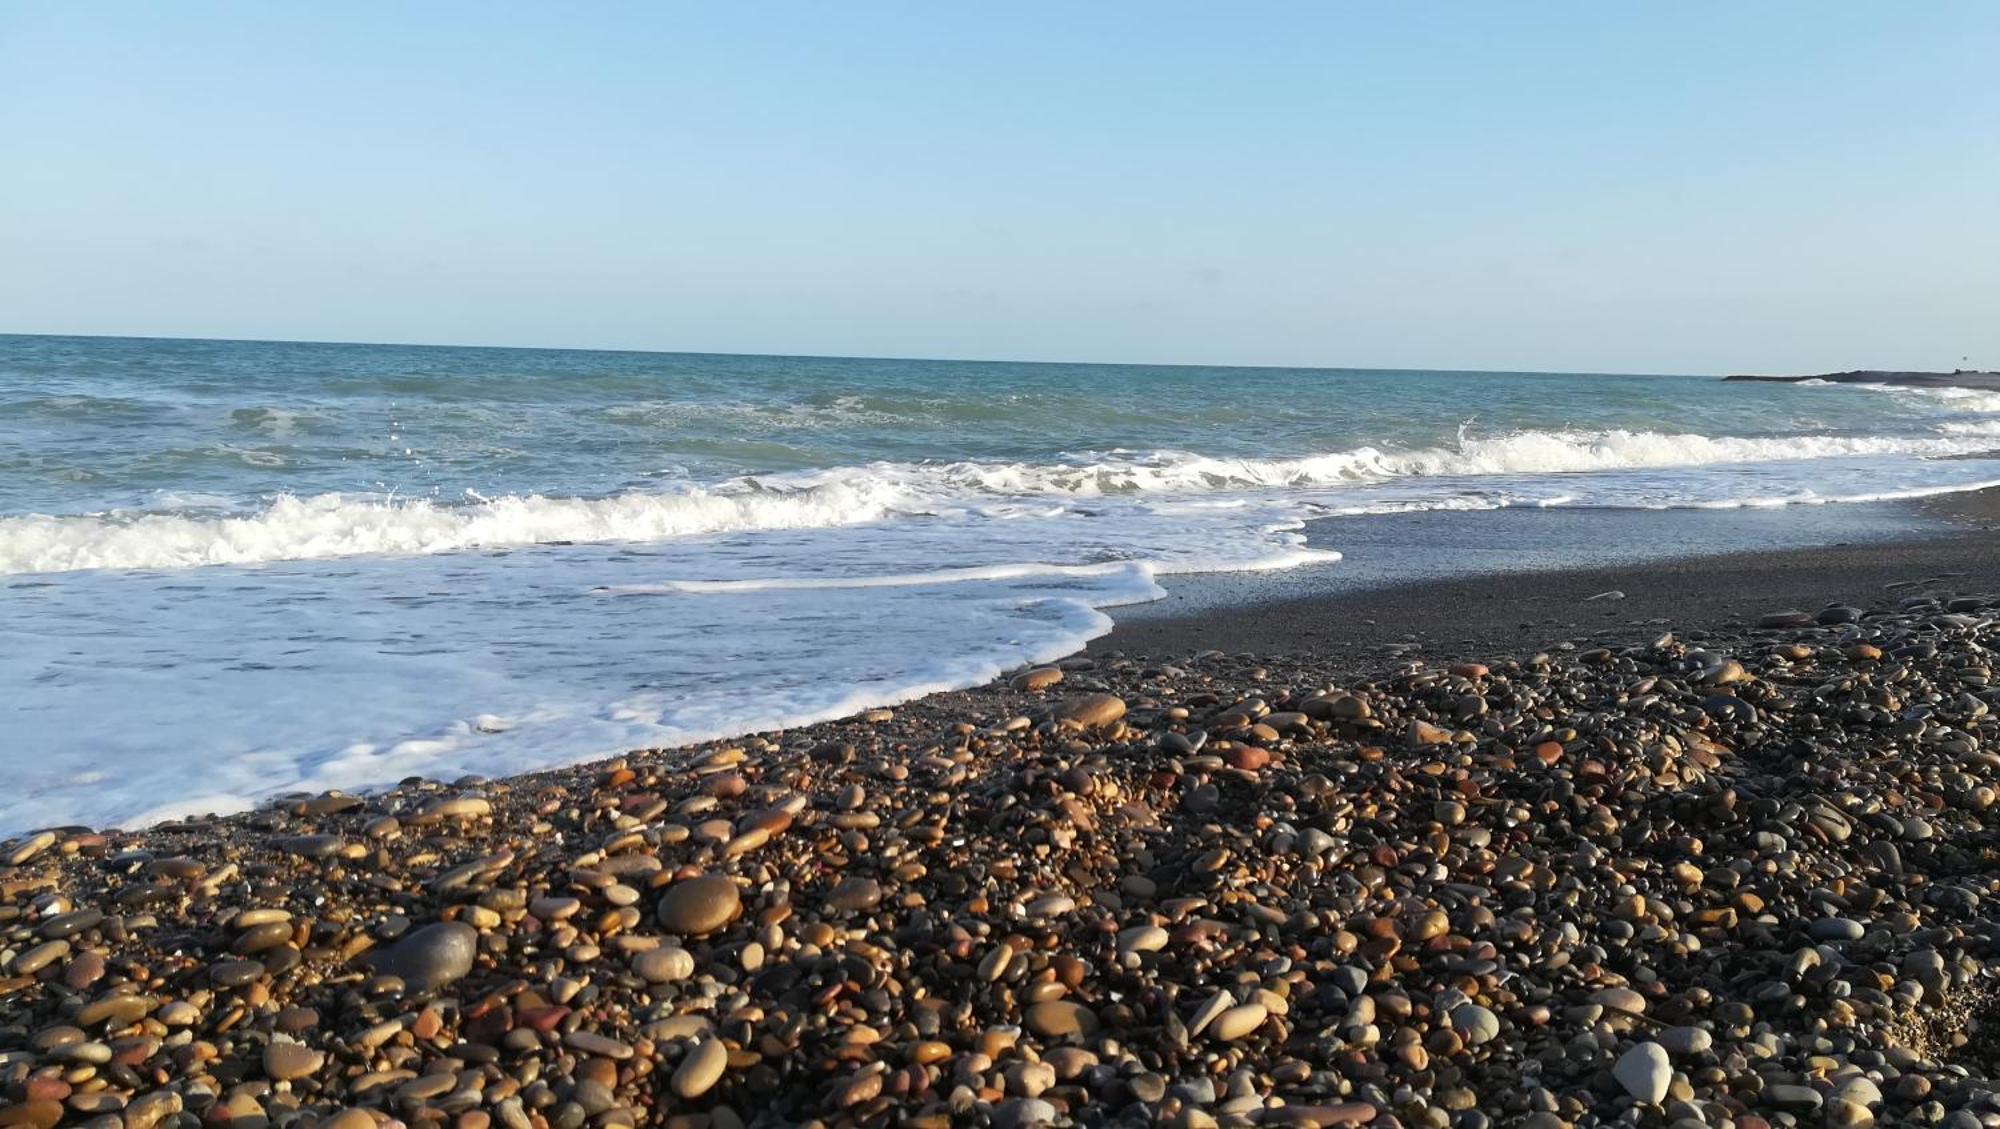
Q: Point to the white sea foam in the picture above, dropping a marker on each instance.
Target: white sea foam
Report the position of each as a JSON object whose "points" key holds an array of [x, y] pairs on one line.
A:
{"points": [[1813, 498], [898, 580], [1956, 399], [337, 525], [390, 670]]}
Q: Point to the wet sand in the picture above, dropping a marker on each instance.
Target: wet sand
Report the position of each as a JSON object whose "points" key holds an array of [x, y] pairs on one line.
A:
{"points": [[1520, 599]]}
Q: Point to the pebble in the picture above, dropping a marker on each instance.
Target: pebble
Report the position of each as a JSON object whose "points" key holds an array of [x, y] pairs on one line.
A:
{"points": [[664, 965], [286, 1062], [1038, 679], [431, 957], [1476, 1023], [1061, 1019], [1837, 929], [695, 907], [1685, 1040], [1645, 1072], [701, 1069], [1094, 711]]}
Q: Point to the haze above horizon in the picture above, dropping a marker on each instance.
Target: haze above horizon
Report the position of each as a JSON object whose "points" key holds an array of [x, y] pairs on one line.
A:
{"points": [[1663, 188]]}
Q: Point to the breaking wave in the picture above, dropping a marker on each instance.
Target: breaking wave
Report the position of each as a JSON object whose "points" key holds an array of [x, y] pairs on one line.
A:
{"points": [[341, 525]]}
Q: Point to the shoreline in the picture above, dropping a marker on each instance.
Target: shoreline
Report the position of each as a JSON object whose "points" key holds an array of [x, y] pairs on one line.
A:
{"points": [[1369, 619]]}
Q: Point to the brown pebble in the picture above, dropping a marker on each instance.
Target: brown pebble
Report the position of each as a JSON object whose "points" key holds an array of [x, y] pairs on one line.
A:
{"points": [[1057, 1019], [288, 1061], [701, 1069], [697, 906]]}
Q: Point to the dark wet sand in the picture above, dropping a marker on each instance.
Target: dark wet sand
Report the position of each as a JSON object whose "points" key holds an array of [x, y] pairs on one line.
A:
{"points": [[1896, 551]]}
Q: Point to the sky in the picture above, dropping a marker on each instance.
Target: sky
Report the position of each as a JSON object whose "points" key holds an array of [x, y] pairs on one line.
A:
{"points": [[1646, 187]]}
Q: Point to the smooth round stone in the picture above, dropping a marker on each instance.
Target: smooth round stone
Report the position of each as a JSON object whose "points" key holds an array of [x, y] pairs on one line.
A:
{"points": [[1785, 619], [458, 807], [855, 895], [1143, 939], [285, 1062], [699, 905], [83, 970], [116, 1010], [40, 957], [1620, 999], [994, 964], [1060, 1019], [591, 1043], [260, 937], [1477, 1023], [1837, 929], [1424, 733], [1093, 711], [593, 1097], [1040, 678], [701, 1069], [96, 1054], [30, 847], [664, 965], [70, 924], [1860, 1090], [1053, 905], [1796, 1098], [1645, 1072], [1024, 1113], [1429, 925], [1147, 1087], [554, 909], [310, 846], [236, 973], [1686, 1040], [1237, 1022], [151, 1109], [431, 957]]}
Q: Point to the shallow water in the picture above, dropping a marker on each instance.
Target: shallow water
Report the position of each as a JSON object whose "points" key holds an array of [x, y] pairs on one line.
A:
{"points": [[229, 569]]}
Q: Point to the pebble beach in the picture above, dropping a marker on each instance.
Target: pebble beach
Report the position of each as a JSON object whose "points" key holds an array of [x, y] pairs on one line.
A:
{"points": [[1721, 875], [1372, 566]]}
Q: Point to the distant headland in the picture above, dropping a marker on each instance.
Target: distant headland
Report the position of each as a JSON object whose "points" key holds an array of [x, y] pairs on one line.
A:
{"points": [[1959, 378]]}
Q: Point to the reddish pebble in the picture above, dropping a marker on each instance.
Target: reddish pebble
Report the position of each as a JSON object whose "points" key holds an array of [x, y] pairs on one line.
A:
{"points": [[544, 1019]]}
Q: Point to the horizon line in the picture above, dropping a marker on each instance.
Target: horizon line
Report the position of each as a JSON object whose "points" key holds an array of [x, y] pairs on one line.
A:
{"points": [[848, 356]]}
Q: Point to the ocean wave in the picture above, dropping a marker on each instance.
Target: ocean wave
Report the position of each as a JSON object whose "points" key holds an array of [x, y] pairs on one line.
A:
{"points": [[276, 422], [336, 525], [1976, 400], [832, 413], [1971, 427]]}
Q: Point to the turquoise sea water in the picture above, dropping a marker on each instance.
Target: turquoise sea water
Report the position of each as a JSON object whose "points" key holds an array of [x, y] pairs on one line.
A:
{"points": [[229, 569]]}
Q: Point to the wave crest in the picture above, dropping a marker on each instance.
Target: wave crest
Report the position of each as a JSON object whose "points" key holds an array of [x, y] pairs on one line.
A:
{"points": [[335, 525]]}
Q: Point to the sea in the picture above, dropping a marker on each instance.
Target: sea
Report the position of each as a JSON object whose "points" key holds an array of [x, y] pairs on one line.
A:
{"points": [[233, 569]]}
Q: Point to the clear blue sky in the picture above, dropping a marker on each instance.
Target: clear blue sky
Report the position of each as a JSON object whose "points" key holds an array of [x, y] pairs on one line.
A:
{"points": [[1605, 186]]}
